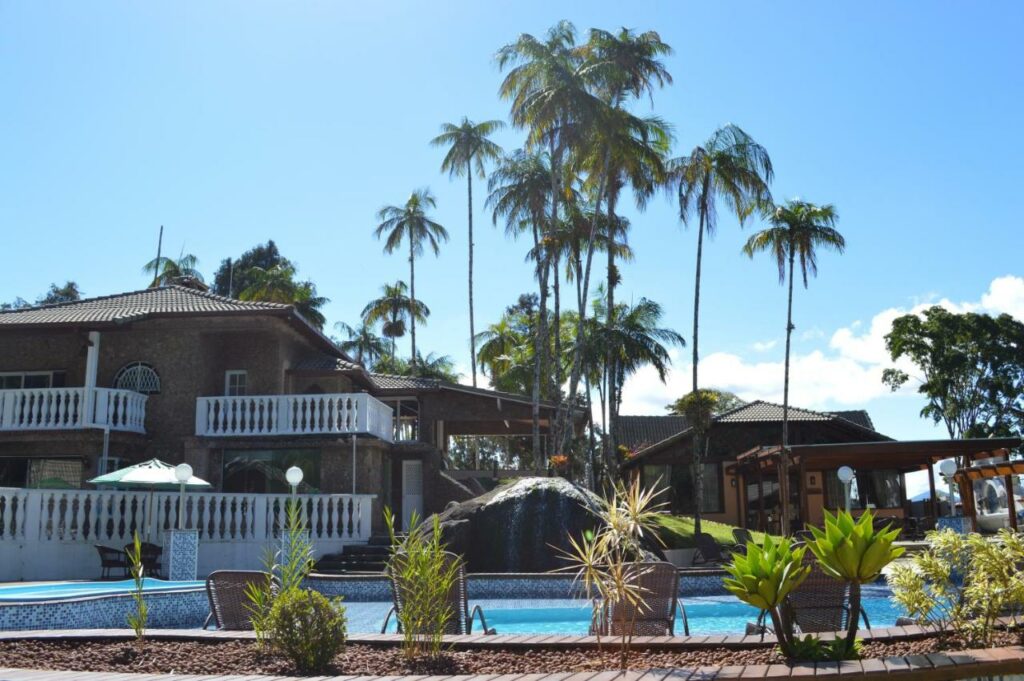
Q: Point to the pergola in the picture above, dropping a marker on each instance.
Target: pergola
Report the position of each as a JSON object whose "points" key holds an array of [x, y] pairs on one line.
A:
{"points": [[903, 456], [965, 478]]}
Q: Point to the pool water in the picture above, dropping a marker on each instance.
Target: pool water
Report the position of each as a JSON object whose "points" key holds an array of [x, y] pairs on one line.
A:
{"points": [[706, 614], [62, 590]]}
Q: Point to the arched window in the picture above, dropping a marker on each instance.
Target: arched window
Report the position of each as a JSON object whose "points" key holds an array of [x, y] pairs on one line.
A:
{"points": [[138, 376]]}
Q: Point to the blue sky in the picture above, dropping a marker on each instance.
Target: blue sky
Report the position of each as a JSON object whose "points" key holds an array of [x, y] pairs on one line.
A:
{"points": [[234, 122]]}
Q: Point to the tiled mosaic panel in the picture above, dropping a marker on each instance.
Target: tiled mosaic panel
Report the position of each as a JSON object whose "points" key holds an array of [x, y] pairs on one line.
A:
{"points": [[182, 552], [168, 610]]}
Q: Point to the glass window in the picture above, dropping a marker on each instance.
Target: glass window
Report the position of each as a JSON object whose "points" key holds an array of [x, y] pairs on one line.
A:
{"points": [[656, 475], [32, 379], [262, 471], [138, 376], [683, 490], [55, 473], [882, 488], [235, 383]]}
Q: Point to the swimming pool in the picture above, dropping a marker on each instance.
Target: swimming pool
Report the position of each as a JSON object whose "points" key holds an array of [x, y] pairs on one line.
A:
{"points": [[47, 591]]}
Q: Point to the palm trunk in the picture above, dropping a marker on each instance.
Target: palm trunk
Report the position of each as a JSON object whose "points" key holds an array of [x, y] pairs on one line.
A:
{"points": [[412, 298], [609, 318], [698, 436], [472, 330], [557, 323], [854, 616], [784, 455], [541, 345]]}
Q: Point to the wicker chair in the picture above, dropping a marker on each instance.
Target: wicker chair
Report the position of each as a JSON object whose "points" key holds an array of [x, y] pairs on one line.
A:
{"points": [[708, 552], [658, 583], [112, 559], [821, 603], [458, 598], [229, 604], [152, 556]]}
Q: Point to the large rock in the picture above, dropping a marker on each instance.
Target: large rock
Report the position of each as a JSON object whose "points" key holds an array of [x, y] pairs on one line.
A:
{"points": [[519, 527]]}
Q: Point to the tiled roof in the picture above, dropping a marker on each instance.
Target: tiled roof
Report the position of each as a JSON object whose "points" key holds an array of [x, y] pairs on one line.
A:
{"points": [[124, 307], [390, 382], [641, 431], [768, 411], [325, 363], [858, 416]]}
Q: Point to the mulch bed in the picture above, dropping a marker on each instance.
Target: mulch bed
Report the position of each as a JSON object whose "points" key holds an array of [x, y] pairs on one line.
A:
{"points": [[242, 657]]}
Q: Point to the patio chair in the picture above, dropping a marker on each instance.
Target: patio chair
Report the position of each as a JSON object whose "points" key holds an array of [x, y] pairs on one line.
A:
{"points": [[655, 615], [462, 620], [152, 555], [229, 604], [821, 603], [741, 536], [708, 552], [112, 559]]}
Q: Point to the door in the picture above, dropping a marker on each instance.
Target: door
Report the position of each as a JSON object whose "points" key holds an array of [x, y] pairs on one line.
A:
{"points": [[412, 491]]}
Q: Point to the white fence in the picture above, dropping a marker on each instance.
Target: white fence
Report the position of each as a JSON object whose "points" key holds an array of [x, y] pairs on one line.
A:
{"points": [[71, 408], [51, 534], [328, 414]]}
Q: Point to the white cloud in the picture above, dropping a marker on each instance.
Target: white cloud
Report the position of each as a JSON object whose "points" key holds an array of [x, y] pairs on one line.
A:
{"points": [[847, 373], [764, 346]]}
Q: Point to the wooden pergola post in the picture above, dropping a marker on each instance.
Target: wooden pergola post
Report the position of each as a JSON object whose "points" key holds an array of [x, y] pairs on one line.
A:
{"points": [[762, 521], [934, 497], [1011, 502]]}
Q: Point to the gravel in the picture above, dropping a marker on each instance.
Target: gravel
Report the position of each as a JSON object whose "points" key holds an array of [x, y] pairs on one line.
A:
{"points": [[243, 657]]}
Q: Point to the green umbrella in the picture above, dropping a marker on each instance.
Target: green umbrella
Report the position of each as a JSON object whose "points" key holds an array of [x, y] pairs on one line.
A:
{"points": [[152, 475]]}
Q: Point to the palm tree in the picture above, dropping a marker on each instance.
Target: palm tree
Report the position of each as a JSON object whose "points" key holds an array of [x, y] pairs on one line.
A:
{"points": [[166, 271], [362, 342], [731, 165], [797, 230], [468, 149], [393, 309], [277, 285], [503, 346], [411, 224]]}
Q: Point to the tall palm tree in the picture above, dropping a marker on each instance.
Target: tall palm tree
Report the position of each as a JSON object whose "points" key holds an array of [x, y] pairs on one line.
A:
{"points": [[503, 347], [468, 150], [798, 229], [277, 284], [730, 165], [166, 270], [362, 343], [393, 309], [410, 223]]}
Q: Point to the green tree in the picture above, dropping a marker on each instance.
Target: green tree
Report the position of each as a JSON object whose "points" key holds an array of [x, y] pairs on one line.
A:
{"points": [[432, 366], [236, 275], [971, 369], [411, 224], [362, 342], [468, 150], [722, 401], [278, 285], [166, 271], [798, 229], [68, 293], [393, 310]]}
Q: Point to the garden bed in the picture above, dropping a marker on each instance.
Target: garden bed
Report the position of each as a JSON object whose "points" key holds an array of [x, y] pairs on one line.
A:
{"points": [[182, 656]]}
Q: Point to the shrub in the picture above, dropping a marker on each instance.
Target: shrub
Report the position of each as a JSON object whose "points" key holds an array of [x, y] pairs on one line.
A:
{"points": [[853, 552], [963, 583], [308, 628], [137, 620], [763, 578], [425, 572]]}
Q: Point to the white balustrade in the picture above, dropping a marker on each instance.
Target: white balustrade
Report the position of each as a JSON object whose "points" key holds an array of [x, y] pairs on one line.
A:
{"points": [[72, 408], [328, 414]]}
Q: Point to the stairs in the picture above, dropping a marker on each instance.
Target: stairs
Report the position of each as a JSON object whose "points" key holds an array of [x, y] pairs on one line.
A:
{"points": [[369, 557]]}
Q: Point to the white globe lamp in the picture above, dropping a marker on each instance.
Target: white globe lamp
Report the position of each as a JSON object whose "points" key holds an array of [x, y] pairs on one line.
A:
{"points": [[845, 475], [182, 473], [948, 470], [294, 477]]}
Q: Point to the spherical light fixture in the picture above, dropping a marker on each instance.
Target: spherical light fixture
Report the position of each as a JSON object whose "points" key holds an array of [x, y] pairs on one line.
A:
{"points": [[948, 468], [845, 474], [294, 476], [183, 473]]}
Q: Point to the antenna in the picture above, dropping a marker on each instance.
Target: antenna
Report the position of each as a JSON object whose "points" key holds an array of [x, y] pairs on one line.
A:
{"points": [[159, 247]]}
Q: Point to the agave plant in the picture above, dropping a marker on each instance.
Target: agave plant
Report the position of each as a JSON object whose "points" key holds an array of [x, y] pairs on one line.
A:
{"points": [[764, 576], [853, 552]]}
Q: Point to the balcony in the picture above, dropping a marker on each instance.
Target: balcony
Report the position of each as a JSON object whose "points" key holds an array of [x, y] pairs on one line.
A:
{"points": [[72, 409], [269, 415]]}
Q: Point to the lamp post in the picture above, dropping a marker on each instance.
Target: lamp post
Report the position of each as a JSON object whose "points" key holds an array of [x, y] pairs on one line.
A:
{"points": [[845, 475], [948, 470], [182, 473], [294, 476]]}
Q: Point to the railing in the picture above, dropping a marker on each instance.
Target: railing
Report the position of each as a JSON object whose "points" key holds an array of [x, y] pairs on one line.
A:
{"points": [[72, 408], [330, 414], [29, 516]]}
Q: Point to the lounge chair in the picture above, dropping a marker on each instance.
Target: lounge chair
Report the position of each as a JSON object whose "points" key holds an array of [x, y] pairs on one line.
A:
{"points": [[229, 604], [462, 620], [708, 551], [741, 536], [822, 603], [655, 615], [112, 559]]}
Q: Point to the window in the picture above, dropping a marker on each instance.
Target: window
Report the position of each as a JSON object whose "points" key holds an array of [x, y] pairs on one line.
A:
{"points": [[235, 383], [15, 380], [261, 471], [139, 377], [869, 489], [681, 491], [52, 473], [656, 475]]}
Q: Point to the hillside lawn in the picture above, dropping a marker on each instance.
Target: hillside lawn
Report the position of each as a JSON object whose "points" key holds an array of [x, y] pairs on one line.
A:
{"points": [[677, 532]]}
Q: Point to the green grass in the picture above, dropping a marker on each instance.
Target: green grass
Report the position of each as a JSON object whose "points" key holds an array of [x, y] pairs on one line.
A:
{"points": [[677, 532]]}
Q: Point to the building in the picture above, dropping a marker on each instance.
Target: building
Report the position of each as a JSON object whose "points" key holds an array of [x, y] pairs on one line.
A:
{"points": [[239, 390]]}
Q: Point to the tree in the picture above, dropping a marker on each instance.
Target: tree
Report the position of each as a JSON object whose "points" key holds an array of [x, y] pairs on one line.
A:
{"points": [[167, 271], [410, 223], [798, 229], [972, 369], [468, 150], [234, 276], [730, 165], [393, 310], [440, 367], [278, 285], [362, 343], [722, 401], [68, 293]]}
